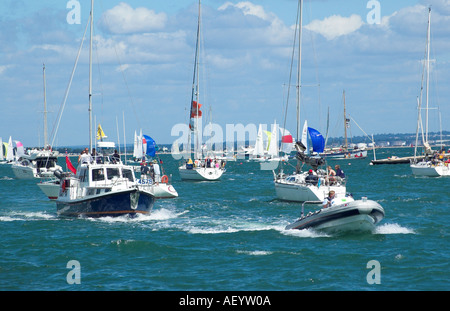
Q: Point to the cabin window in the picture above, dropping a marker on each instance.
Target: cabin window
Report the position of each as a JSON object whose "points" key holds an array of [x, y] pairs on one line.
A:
{"points": [[97, 174], [112, 172], [128, 174], [46, 162]]}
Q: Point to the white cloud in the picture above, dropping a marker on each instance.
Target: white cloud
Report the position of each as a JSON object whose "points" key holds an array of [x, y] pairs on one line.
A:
{"points": [[336, 26], [123, 19], [3, 68], [248, 8]]}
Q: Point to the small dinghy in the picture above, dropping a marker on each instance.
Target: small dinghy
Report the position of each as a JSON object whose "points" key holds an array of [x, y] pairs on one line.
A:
{"points": [[344, 215]]}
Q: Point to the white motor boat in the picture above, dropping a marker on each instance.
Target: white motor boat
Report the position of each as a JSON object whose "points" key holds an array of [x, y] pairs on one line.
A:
{"points": [[344, 215], [101, 186], [103, 189], [36, 164]]}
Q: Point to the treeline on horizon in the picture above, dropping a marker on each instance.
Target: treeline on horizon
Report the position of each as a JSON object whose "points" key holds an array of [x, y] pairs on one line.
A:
{"points": [[390, 137]]}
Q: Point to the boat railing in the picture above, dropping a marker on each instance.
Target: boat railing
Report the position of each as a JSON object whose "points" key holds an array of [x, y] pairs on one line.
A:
{"points": [[308, 202]]}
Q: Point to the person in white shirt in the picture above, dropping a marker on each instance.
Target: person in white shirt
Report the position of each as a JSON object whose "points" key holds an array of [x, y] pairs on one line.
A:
{"points": [[329, 200]]}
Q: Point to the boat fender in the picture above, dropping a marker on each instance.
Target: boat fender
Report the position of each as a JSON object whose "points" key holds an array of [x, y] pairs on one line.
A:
{"points": [[164, 179]]}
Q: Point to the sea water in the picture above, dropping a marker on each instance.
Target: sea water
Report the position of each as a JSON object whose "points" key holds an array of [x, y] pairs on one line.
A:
{"points": [[230, 235]]}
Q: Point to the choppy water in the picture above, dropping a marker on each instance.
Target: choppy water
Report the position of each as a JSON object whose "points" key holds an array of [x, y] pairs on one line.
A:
{"points": [[229, 235]]}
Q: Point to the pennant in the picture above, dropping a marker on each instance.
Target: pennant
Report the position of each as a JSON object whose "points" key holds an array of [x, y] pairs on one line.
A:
{"points": [[100, 133], [70, 166]]}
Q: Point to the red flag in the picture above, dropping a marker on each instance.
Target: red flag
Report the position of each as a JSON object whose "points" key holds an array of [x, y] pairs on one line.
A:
{"points": [[70, 166], [195, 110]]}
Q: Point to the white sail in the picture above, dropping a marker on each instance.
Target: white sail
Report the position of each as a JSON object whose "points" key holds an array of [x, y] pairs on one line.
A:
{"points": [[138, 152], [10, 150], [19, 149], [259, 147], [286, 141], [2, 157], [273, 145], [305, 137]]}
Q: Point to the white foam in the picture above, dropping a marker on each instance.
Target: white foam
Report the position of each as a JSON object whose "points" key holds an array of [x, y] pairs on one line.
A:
{"points": [[195, 230], [26, 216], [164, 214], [7, 218], [161, 214], [255, 253], [305, 233], [393, 229]]}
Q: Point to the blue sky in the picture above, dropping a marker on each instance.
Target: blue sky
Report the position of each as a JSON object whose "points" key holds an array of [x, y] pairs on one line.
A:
{"points": [[144, 53]]}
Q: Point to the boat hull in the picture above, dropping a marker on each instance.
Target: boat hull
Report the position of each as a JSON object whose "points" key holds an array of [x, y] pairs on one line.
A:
{"points": [[200, 173], [358, 154], [50, 188], [129, 202], [427, 169], [355, 216], [295, 192], [23, 172], [160, 190]]}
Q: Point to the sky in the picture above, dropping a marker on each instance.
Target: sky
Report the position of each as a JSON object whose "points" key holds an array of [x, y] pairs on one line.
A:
{"points": [[143, 60]]}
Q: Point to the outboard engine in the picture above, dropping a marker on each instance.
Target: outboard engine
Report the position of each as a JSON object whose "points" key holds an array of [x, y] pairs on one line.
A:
{"points": [[59, 174]]}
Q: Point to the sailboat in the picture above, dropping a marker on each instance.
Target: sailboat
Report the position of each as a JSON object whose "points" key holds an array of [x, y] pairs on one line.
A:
{"points": [[156, 177], [345, 152], [269, 156], [205, 169], [37, 163], [2, 155], [314, 184], [104, 187], [433, 164]]}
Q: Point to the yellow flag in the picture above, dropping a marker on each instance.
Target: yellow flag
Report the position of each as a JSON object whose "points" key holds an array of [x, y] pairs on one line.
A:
{"points": [[100, 133]]}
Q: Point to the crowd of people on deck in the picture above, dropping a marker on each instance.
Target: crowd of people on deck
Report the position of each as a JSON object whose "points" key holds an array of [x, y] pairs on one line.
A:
{"points": [[439, 157], [152, 171], [94, 157], [206, 163]]}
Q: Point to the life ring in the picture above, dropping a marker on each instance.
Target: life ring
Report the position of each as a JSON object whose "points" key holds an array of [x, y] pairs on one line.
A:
{"points": [[164, 179]]}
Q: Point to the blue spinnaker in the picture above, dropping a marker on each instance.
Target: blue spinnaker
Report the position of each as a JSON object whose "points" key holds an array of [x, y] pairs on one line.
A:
{"points": [[318, 142], [151, 146]]}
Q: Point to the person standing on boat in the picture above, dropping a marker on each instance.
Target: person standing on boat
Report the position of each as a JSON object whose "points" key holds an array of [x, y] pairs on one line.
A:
{"points": [[144, 171], [157, 171], [116, 157], [329, 200], [85, 157]]}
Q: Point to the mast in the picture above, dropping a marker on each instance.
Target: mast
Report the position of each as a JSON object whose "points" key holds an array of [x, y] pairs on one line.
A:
{"points": [[428, 73], [195, 90], [197, 136], [90, 75], [299, 69], [345, 125], [45, 111]]}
